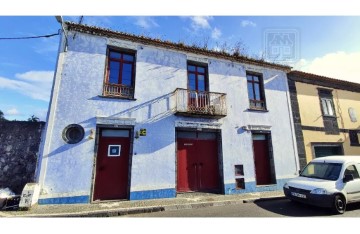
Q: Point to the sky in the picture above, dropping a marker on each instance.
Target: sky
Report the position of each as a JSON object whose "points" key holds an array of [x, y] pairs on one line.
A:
{"points": [[325, 45]]}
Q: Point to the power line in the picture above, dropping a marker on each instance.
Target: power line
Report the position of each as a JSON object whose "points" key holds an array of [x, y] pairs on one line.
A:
{"points": [[19, 38]]}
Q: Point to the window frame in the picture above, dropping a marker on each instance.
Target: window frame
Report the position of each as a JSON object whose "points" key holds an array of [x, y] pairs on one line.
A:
{"points": [[354, 138], [355, 171], [327, 101], [121, 63], [261, 90], [197, 73]]}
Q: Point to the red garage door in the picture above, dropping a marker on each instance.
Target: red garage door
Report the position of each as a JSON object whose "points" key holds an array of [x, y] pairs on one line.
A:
{"points": [[197, 162], [112, 166]]}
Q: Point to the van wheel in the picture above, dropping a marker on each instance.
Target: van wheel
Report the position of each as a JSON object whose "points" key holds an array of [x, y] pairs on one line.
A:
{"points": [[339, 204]]}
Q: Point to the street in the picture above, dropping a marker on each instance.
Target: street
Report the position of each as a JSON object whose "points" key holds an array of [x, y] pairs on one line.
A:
{"points": [[271, 208]]}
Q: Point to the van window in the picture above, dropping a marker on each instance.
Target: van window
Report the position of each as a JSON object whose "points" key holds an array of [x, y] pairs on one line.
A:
{"points": [[325, 171], [351, 170]]}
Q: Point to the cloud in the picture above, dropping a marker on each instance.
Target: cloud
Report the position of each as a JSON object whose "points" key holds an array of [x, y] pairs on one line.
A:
{"points": [[339, 65], [247, 23], [216, 33], [12, 111], [47, 45], [146, 22], [200, 22], [34, 84]]}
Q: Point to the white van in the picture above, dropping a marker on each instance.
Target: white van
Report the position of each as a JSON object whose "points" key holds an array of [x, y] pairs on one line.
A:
{"points": [[331, 181]]}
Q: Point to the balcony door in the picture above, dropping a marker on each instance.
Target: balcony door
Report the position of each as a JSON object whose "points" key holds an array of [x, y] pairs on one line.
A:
{"points": [[198, 97]]}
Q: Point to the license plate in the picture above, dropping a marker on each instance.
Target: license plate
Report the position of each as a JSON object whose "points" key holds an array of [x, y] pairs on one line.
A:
{"points": [[298, 195]]}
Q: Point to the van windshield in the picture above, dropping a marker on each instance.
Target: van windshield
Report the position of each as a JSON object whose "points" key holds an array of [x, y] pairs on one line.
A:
{"points": [[322, 170]]}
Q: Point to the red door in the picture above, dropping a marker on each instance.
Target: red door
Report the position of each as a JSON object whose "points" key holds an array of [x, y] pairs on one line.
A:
{"points": [[262, 160], [198, 168], [112, 166]]}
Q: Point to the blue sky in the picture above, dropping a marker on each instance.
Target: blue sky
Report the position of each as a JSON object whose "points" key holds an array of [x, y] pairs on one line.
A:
{"points": [[327, 46]]}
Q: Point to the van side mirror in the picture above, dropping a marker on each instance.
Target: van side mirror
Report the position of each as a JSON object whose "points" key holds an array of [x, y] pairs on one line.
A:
{"points": [[347, 178]]}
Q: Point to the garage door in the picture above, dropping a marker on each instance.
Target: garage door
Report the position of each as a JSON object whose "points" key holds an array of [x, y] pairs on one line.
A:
{"points": [[326, 150], [197, 162]]}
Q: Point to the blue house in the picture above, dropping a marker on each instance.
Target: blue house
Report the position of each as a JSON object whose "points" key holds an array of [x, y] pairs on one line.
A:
{"points": [[134, 118]]}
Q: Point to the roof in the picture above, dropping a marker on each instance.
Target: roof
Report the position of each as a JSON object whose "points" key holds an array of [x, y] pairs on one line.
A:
{"points": [[338, 159], [171, 45], [314, 79]]}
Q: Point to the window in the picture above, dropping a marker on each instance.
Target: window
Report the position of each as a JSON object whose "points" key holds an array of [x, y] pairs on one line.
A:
{"points": [[73, 133], [327, 106], [354, 139], [351, 170], [197, 78], [256, 92], [323, 170], [120, 74]]}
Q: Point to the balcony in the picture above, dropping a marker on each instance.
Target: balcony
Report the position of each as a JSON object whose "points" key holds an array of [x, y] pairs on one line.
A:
{"points": [[118, 90], [200, 103]]}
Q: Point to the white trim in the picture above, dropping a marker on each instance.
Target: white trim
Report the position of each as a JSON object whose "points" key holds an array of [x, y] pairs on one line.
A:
{"points": [[197, 125], [115, 121], [114, 155]]}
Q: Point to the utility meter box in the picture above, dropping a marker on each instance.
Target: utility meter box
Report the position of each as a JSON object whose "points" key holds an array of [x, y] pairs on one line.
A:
{"points": [[29, 195]]}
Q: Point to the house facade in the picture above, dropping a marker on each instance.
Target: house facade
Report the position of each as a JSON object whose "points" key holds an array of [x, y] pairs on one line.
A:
{"points": [[325, 112], [138, 118]]}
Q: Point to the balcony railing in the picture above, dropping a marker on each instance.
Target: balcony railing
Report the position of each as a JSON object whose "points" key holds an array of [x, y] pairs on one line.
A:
{"points": [[118, 90], [205, 104]]}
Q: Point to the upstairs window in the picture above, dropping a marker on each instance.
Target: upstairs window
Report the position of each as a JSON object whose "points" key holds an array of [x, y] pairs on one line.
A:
{"points": [[120, 74], [327, 106], [256, 92], [197, 78]]}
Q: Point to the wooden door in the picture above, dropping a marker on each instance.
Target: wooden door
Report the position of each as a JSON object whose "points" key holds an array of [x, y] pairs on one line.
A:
{"points": [[197, 163], [112, 166], [262, 159]]}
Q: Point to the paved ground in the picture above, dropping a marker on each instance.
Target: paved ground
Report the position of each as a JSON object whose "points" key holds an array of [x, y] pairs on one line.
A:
{"points": [[117, 208]]}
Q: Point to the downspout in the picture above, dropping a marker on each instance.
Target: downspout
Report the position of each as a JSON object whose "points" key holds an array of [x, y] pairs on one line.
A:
{"points": [[296, 153]]}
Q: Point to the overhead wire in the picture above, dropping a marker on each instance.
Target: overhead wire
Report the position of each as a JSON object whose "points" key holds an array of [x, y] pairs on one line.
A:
{"points": [[32, 37]]}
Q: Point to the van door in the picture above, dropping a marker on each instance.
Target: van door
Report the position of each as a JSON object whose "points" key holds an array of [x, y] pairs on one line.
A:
{"points": [[352, 188]]}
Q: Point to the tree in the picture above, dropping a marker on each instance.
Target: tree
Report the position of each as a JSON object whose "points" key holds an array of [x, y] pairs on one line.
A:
{"points": [[33, 118], [2, 118]]}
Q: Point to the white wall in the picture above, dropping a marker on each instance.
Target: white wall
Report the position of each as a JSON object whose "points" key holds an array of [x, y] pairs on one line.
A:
{"points": [[159, 72]]}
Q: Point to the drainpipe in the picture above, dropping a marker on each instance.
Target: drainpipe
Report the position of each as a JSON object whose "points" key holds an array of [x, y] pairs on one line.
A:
{"points": [[296, 154]]}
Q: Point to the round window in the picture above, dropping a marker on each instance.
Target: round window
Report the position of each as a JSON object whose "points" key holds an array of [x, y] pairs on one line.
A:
{"points": [[73, 133]]}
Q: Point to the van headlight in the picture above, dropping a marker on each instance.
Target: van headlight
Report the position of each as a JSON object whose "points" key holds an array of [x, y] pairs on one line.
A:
{"points": [[319, 191], [286, 185]]}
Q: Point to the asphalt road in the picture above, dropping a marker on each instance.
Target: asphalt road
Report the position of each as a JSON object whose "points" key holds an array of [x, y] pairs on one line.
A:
{"points": [[272, 208]]}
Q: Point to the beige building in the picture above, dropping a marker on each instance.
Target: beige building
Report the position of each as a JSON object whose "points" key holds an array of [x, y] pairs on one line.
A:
{"points": [[326, 115]]}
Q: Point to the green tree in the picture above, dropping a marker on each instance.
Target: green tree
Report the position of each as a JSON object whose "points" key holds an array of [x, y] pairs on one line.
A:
{"points": [[33, 118], [2, 118]]}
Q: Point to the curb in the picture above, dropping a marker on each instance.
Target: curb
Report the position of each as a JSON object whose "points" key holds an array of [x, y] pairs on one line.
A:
{"points": [[142, 210]]}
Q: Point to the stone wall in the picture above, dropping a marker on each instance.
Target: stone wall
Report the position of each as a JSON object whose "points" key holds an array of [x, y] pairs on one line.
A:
{"points": [[19, 146]]}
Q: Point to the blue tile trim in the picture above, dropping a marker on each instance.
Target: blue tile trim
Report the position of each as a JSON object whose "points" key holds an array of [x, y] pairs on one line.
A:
{"points": [[251, 187], [64, 200], [153, 194]]}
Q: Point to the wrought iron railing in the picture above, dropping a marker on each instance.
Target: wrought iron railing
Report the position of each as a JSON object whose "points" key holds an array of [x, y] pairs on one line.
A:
{"points": [[118, 90], [200, 102]]}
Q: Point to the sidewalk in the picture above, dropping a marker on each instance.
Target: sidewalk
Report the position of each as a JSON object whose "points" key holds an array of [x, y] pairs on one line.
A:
{"points": [[118, 208]]}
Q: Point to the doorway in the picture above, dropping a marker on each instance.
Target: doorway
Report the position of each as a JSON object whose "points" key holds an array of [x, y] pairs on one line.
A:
{"points": [[197, 162], [112, 164]]}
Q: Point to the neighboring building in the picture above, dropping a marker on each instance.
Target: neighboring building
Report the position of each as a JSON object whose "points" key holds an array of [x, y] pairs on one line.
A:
{"points": [[138, 118], [325, 112], [19, 153]]}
